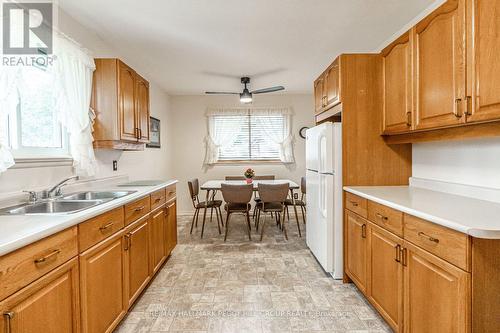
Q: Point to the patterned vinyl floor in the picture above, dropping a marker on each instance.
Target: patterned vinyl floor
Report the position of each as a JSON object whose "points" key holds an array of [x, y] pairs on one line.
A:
{"points": [[247, 286]]}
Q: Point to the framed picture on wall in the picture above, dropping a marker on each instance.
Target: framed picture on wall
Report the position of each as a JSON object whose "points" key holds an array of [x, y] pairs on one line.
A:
{"points": [[154, 133]]}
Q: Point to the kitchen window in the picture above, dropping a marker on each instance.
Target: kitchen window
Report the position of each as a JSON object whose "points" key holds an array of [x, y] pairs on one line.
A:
{"points": [[33, 129], [255, 134]]}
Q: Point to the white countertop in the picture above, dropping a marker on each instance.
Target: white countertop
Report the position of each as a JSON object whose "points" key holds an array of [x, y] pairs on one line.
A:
{"points": [[17, 231], [478, 218]]}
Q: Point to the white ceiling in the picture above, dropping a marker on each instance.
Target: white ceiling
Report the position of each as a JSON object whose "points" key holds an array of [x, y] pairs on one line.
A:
{"points": [[190, 46]]}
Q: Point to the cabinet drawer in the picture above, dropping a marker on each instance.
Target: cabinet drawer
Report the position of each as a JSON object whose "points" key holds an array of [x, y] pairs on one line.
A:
{"points": [[21, 267], [170, 190], [356, 204], [386, 217], [100, 227], [158, 198], [137, 209], [450, 245]]}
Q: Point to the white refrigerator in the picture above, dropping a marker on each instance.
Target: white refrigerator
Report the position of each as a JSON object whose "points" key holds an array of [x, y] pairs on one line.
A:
{"points": [[324, 196]]}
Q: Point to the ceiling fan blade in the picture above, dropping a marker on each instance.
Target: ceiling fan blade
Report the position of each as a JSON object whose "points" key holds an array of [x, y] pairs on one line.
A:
{"points": [[220, 93], [268, 90]]}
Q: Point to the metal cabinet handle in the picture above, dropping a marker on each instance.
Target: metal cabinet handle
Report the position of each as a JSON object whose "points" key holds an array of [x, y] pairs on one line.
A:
{"points": [[382, 217], [404, 257], [430, 238], [457, 112], [8, 317], [158, 200], [398, 253], [47, 257], [408, 118], [138, 209], [363, 231], [354, 203], [106, 226], [127, 241], [468, 111]]}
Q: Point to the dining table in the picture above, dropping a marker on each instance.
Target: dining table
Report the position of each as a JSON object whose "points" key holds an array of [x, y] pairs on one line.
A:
{"points": [[212, 186]]}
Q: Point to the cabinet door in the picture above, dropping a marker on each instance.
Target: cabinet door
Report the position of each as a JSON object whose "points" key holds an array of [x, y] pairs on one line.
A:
{"points": [[142, 108], [126, 103], [439, 54], [356, 249], [101, 286], [484, 68], [385, 275], [436, 294], [171, 228], [157, 239], [332, 84], [137, 258], [50, 302], [319, 100], [397, 85]]}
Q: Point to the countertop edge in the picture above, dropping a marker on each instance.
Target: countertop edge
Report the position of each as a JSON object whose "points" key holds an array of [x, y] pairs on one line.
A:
{"points": [[478, 233], [24, 240]]}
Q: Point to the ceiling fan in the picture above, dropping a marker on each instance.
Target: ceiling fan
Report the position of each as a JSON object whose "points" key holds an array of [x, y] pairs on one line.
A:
{"points": [[246, 95]]}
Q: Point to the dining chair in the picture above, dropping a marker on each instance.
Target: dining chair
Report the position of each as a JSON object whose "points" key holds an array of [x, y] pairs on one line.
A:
{"points": [[273, 198], [194, 190], [256, 197], [237, 198], [300, 203]]}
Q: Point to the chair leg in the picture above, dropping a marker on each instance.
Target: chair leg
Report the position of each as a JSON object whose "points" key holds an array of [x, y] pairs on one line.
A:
{"points": [[218, 220], [287, 214], [262, 227], [303, 210], [197, 216], [211, 213], [283, 227], [203, 224], [194, 218], [221, 218], [227, 226], [249, 227]]}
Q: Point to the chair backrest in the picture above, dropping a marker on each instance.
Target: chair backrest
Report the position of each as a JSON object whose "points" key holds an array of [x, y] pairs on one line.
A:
{"points": [[237, 193], [235, 178], [270, 177], [303, 185], [194, 188], [273, 192]]}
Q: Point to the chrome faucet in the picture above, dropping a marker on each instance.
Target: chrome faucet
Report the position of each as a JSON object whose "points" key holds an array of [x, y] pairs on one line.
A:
{"points": [[56, 190]]}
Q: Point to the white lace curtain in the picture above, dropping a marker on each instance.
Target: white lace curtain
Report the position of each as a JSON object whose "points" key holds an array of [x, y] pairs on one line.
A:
{"points": [[72, 78], [225, 137]]}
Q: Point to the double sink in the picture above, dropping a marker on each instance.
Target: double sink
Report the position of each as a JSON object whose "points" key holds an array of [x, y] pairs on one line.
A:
{"points": [[68, 204]]}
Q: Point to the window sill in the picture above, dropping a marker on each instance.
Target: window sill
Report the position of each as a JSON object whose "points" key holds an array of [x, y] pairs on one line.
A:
{"points": [[243, 162], [41, 162]]}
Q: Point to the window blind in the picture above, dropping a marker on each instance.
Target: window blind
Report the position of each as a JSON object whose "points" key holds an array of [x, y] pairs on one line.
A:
{"points": [[253, 140]]}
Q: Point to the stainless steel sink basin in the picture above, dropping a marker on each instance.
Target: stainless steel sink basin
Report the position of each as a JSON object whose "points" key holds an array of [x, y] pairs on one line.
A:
{"points": [[94, 195], [50, 207]]}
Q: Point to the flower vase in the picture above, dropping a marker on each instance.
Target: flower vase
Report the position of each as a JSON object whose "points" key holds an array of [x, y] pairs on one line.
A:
{"points": [[249, 180]]}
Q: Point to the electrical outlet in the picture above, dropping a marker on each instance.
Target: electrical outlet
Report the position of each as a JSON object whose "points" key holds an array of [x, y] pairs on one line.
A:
{"points": [[296, 196], [115, 165]]}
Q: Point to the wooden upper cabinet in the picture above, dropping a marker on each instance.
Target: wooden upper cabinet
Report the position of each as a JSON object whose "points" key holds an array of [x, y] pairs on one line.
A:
{"points": [[120, 98], [319, 100], [483, 65], [397, 85], [439, 48], [332, 84], [436, 294], [142, 108], [127, 102], [50, 302], [385, 281], [356, 249]]}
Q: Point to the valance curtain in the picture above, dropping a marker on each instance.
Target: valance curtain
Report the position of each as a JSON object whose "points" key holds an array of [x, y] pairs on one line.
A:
{"points": [[226, 136], [73, 77]]}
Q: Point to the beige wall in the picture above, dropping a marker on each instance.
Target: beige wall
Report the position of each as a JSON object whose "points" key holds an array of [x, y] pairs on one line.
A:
{"points": [[150, 163], [189, 128]]}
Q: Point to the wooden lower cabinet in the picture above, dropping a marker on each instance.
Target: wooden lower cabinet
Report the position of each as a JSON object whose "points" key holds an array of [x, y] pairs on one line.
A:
{"points": [[171, 228], [385, 280], [101, 286], [51, 303], [137, 258], [436, 294], [158, 238], [356, 249]]}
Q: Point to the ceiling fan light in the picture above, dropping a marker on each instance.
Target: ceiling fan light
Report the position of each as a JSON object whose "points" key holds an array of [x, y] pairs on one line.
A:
{"points": [[246, 97]]}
